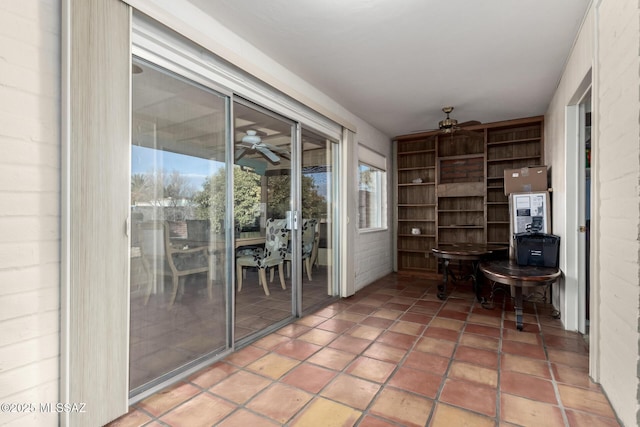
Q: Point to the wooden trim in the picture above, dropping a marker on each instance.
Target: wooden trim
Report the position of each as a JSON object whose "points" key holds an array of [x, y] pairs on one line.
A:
{"points": [[96, 71]]}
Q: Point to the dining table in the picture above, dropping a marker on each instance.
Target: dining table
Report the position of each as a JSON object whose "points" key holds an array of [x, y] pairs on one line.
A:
{"points": [[464, 252], [508, 272]]}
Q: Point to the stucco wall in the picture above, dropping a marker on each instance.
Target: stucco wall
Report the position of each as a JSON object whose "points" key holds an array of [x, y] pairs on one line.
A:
{"points": [[29, 207], [618, 172]]}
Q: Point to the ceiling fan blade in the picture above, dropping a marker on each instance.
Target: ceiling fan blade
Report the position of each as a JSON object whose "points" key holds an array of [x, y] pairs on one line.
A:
{"points": [[424, 130], [469, 123], [279, 150], [268, 154], [240, 152], [468, 133]]}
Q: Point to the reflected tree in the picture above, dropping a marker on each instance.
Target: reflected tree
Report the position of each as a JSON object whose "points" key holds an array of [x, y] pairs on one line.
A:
{"points": [[211, 201], [314, 205], [170, 191], [211, 204]]}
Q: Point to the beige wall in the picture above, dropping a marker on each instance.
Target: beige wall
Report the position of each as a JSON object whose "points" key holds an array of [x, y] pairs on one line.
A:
{"points": [[608, 45], [617, 205], [29, 207]]}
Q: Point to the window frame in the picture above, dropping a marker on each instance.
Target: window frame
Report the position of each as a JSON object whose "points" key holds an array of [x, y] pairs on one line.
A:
{"points": [[375, 162]]}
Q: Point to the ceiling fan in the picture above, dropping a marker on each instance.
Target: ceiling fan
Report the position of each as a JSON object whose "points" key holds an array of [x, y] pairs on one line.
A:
{"points": [[449, 125], [252, 142]]}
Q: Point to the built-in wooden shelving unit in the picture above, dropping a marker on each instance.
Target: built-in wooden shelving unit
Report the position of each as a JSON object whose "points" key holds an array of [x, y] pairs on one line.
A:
{"points": [[451, 187]]}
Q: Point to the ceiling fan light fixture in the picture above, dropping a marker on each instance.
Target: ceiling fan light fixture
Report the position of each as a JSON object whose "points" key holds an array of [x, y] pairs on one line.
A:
{"points": [[251, 137], [448, 123]]}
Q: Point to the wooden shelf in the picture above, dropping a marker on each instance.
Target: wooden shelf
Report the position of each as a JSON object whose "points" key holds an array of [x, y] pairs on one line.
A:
{"points": [[513, 141], [416, 168], [405, 153], [461, 197], [416, 184], [511, 159]]}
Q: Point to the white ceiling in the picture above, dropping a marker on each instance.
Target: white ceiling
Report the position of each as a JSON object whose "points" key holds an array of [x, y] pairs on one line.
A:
{"points": [[396, 63]]}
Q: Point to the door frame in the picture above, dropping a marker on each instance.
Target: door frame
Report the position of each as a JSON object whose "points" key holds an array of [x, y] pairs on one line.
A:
{"points": [[574, 310]]}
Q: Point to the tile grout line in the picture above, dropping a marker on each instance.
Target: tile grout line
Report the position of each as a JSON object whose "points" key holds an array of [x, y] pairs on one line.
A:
{"points": [[546, 340], [554, 382], [366, 412], [474, 304], [342, 371], [498, 388]]}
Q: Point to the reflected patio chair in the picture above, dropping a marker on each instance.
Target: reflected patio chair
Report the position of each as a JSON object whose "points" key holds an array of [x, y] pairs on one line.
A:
{"points": [[169, 259], [275, 249], [308, 244], [316, 244], [140, 277]]}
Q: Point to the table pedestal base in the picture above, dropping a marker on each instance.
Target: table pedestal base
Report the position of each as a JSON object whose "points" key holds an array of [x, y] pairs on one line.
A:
{"points": [[477, 289], [509, 273]]}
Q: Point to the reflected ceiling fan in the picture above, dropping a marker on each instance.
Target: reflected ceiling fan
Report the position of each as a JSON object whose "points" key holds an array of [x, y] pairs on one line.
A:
{"points": [[252, 142]]}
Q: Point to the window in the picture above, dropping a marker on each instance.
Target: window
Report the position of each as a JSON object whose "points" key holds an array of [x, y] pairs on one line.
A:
{"points": [[372, 184]]}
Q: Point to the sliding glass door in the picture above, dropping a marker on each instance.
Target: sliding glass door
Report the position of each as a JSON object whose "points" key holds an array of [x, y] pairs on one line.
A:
{"points": [[232, 230], [263, 221], [318, 189], [178, 235]]}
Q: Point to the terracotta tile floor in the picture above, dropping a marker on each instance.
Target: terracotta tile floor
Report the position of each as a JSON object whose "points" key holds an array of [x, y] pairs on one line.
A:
{"points": [[395, 355]]}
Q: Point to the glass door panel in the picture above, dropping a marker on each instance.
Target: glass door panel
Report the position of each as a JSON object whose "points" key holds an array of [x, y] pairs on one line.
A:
{"points": [[178, 205], [262, 203], [318, 190]]}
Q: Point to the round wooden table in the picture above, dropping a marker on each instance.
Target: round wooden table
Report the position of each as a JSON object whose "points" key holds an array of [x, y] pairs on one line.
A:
{"points": [[508, 272], [472, 252]]}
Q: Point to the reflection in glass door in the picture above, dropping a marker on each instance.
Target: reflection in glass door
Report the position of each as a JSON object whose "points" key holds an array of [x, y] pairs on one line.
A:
{"points": [[262, 214], [318, 190], [178, 207]]}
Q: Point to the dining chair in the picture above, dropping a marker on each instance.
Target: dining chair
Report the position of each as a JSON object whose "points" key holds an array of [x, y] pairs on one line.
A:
{"points": [[308, 243], [273, 254], [172, 259]]}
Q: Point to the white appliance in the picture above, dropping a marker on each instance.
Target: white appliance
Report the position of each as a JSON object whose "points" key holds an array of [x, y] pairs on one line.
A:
{"points": [[530, 212]]}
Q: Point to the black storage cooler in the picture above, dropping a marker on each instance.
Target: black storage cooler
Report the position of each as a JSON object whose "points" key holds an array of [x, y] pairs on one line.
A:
{"points": [[537, 249]]}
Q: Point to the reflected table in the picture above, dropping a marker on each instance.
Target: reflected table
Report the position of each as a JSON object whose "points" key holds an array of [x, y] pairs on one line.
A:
{"points": [[472, 252], [508, 272], [249, 241]]}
